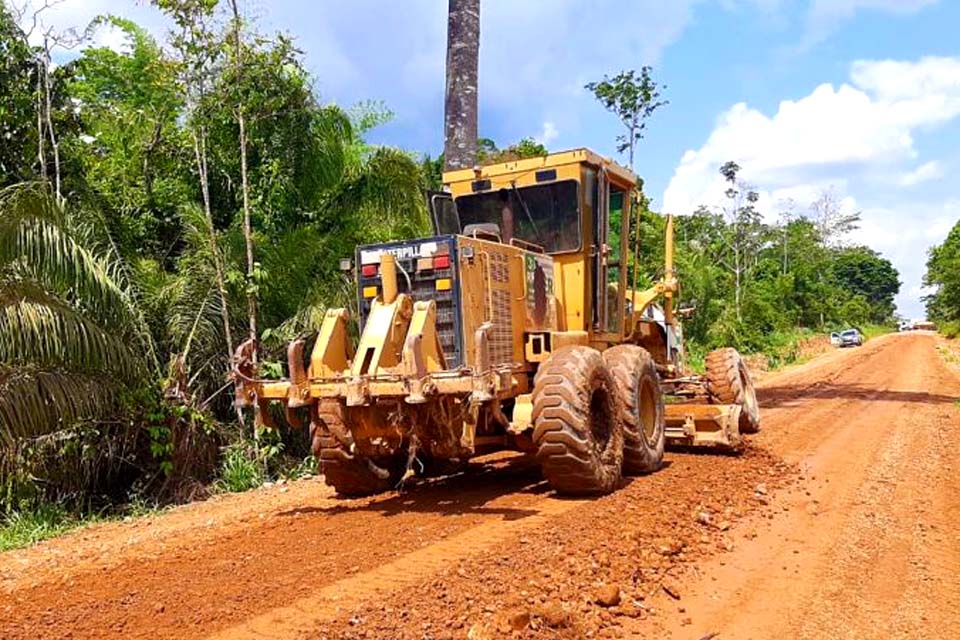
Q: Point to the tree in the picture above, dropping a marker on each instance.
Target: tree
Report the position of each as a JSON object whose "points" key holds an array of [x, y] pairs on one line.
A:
{"points": [[744, 238], [831, 220], [130, 154], [197, 47], [524, 148], [460, 103], [18, 133], [633, 99], [943, 276], [863, 272], [240, 107], [72, 338]]}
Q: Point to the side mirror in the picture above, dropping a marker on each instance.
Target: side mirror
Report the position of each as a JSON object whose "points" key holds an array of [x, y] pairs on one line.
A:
{"points": [[346, 265]]}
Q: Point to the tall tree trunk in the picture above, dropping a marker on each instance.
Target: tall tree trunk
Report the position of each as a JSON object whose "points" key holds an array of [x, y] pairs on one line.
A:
{"points": [[244, 183], [460, 104], [200, 150], [41, 156], [48, 102], [247, 227]]}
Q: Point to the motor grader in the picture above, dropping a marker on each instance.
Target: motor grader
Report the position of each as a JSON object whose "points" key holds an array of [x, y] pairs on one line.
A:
{"points": [[518, 325]]}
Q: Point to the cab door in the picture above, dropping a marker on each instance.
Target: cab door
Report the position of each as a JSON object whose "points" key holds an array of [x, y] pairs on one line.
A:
{"points": [[443, 213]]}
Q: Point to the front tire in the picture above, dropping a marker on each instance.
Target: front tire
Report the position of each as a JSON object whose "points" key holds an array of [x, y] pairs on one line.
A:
{"points": [[349, 474], [728, 382], [578, 432], [641, 405]]}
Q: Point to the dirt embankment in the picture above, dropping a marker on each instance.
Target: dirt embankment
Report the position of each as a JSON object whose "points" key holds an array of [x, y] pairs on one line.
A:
{"points": [[840, 520]]}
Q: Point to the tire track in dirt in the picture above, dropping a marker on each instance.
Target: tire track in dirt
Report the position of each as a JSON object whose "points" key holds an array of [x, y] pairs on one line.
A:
{"points": [[190, 589], [860, 551], [471, 551], [307, 613]]}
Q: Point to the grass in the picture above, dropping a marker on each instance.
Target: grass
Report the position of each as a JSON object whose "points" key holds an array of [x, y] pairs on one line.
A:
{"points": [[25, 527], [874, 330], [950, 329], [239, 470]]}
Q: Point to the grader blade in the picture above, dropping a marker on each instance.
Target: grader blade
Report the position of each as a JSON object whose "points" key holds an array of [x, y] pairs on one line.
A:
{"points": [[703, 425]]}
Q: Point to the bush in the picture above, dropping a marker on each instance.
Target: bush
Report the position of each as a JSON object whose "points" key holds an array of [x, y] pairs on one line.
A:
{"points": [[27, 526], [240, 469], [950, 329]]}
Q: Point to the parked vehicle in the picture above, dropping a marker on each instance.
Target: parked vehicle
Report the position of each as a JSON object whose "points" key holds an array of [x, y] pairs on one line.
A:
{"points": [[851, 338]]}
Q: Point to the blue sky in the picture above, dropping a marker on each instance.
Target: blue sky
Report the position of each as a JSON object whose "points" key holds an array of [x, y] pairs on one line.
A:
{"points": [[860, 97]]}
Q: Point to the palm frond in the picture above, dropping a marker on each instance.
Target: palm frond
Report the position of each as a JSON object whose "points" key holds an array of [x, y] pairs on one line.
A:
{"points": [[36, 244], [38, 401], [45, 332], [384, 195]]}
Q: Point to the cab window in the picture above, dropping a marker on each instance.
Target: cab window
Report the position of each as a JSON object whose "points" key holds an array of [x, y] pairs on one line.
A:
{"points": [[547, 215]]}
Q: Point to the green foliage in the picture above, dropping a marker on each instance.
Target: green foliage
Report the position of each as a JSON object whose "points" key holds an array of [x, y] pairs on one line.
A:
{"points": [[488, 152], [71, 334], [22, 528], [943, 275], [131, 154], [18, 132], [240, 469], [632, 98], [870, 331], [871, 277], [950, 328], [789, 277]]}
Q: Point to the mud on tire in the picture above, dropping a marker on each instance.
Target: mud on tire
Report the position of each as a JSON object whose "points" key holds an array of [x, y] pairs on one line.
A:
{"points": [[578, 431], [348, 473], [641, 406], [728, 382]]}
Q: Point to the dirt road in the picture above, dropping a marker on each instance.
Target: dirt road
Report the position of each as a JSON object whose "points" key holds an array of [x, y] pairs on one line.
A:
{"points": [[841, 520]]}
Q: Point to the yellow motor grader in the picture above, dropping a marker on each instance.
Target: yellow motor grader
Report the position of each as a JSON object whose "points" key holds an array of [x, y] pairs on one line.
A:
{"points": [[518, 325]]}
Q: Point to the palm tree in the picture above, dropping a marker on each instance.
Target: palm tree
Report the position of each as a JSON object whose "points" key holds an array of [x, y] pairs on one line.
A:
{"points": [[72, 337], [460, 105]]}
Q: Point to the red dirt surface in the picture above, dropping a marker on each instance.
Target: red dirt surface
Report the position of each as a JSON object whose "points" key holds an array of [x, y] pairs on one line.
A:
{"points": [[841, 520]]}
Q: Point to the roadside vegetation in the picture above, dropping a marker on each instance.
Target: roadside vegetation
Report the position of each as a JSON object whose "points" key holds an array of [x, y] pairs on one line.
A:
{"points": [[943, 277], [160, 204]]}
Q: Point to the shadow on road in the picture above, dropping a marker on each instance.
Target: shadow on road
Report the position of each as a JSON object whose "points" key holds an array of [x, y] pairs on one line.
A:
{"points": [[468, 492], [773, 397]]}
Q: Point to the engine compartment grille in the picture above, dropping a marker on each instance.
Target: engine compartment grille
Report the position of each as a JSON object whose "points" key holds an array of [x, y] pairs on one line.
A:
{"points": [[420, 282]]}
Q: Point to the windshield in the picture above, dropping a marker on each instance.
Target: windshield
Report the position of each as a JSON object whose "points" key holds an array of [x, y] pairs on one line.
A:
{"points": [[547, 215], [850, 333]]}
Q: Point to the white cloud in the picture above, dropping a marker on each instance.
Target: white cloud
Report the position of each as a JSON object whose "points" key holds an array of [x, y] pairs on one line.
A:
{"points": [[853, 139], [927, 171], [548, 134], [76, 15]]}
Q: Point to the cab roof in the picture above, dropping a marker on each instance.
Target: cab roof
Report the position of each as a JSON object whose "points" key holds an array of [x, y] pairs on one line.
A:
{"points": [[512, 167]]}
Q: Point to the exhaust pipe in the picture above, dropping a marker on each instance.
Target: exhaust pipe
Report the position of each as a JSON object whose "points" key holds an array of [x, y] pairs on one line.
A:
{"points": [[388, 276], [669, 278]]}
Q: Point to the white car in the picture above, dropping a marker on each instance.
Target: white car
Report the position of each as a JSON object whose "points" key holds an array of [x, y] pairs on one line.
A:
{"points": [[851, 338]]}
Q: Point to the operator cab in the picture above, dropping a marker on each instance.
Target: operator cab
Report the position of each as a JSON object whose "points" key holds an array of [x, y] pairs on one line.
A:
{"points": [[571, 205]]}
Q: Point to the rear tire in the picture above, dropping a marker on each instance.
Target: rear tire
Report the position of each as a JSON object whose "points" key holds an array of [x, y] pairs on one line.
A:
{"points": [[578, 431], [349, 474], [641, 405], [728, 382]]}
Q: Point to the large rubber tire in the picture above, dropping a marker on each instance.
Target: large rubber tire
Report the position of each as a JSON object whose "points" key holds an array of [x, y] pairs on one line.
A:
{"points": [[641, 406], [349, 474], [577, 429], [728, 382]]}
